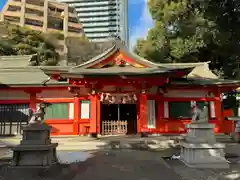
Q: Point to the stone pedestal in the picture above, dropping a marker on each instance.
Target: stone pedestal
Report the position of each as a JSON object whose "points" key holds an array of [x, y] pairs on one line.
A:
{"points": [[35, 148], [200, 150]]}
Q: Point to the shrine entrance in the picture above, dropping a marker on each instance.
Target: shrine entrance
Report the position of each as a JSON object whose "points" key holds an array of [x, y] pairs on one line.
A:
{"points": [[118, 119]]}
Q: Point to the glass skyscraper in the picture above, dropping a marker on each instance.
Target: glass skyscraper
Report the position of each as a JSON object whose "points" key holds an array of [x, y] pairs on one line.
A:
{"points": [[102, 19]]}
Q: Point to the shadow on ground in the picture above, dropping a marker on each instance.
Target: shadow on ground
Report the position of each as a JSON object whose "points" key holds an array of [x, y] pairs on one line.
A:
{"points": [[103, 165]]}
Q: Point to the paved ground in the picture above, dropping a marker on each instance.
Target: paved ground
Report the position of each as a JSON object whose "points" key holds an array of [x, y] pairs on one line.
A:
{"points": [[205, 174], [104, 165], [121, 164], [233, 173]]}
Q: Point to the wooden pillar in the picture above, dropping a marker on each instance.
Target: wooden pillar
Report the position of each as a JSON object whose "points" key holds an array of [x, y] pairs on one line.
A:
{"points": [[33, 101], [93, 114], [218, 111], [98, 115], [160, 111], [76, 115], [143, 111]]}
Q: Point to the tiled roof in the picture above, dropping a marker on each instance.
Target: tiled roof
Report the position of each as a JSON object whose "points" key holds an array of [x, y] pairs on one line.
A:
{"points": [[25, 76], [14, 70], [14, 61]]}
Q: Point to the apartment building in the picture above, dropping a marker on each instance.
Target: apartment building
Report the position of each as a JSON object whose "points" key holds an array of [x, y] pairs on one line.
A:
{"points": [[102, 19], [45, 16]]}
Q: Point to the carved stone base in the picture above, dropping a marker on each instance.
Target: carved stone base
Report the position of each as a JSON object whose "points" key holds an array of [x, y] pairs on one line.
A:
{"points": [[43, 155], [200, 133], [35, 149], [203, 155]]}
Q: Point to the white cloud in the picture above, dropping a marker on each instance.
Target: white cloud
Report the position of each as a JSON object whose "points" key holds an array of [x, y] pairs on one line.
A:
{"points": [[144, 24]]}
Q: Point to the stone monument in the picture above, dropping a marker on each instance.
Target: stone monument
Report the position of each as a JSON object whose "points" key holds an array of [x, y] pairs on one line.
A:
{"points": [[35, 148], [200, 149]]}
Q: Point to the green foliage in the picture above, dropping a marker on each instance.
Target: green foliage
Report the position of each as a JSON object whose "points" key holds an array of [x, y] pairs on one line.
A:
{"points": [[192, 31], [24, 41]]}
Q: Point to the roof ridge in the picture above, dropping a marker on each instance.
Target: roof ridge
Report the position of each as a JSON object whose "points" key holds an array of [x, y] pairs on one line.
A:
{"points": [[188, 63], [96, 57]]}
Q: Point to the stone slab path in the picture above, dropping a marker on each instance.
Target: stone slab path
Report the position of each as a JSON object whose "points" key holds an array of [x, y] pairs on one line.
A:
{"points": [[126, 164], [104, 165]]}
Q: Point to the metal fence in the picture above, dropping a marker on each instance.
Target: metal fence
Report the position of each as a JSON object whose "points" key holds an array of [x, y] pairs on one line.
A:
{"points": [[12, 117]]}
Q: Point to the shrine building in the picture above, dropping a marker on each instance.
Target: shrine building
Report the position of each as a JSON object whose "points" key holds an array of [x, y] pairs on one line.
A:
{"points": [[116, 92]]}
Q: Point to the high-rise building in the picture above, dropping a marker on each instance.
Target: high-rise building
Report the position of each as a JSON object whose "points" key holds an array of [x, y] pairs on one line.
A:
{"points": [[45, 16], [102, 19]]}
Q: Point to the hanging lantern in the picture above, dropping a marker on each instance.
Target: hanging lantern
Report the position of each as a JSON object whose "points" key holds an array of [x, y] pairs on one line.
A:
{"points": [[135, 97], [118, 98], [102, 97], [129, 98], [107, 97], [125, 100], [112, 100]]}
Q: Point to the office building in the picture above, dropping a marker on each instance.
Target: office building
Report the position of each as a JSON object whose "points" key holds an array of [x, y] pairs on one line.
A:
{"points": [[45, 16], [102, 19]]}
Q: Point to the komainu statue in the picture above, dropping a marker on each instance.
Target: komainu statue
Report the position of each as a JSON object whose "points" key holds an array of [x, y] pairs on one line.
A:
{"points": [[38, 116], [198, 115]]}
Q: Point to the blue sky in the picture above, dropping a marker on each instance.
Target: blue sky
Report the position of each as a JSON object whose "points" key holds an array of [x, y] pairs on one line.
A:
{"points": [[139, 19], [2, 2]]}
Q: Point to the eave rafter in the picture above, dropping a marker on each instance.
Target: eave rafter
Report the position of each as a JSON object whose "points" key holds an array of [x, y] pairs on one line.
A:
{"points": [[139, 83]]}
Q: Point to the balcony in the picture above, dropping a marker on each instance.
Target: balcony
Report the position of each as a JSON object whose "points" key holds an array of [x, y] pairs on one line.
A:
{"points": [[55, 14], [13, 14], [15, 3], [39, 3], [75, 25], [74, 34], [57, 5], [35, 7], [34, 17]]}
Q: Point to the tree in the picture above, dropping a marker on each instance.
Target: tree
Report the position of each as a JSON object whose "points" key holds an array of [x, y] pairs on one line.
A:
{"points": [[24, 41], [192, 31]]}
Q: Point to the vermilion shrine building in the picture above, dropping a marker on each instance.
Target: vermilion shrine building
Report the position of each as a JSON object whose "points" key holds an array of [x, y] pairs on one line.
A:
{"points": [[115, 92]]}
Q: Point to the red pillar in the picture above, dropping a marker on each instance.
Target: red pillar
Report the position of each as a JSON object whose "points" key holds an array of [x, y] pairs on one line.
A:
{"points": [[160, 111], [98, 115], [93, 115], [143, 112], [218, 113], [76, 115], [33, 101]]}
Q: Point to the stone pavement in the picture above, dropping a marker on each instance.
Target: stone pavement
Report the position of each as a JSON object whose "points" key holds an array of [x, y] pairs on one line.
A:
{"points": [[233, 173], [86, 143], [126, 164], [107, 164], [104, 165]]}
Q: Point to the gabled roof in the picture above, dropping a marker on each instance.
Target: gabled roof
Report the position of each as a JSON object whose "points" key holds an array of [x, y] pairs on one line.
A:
{"points": [[115, 71], [117, 47], [14, 70], [201, 69], [149, 68], [80, 51]]}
